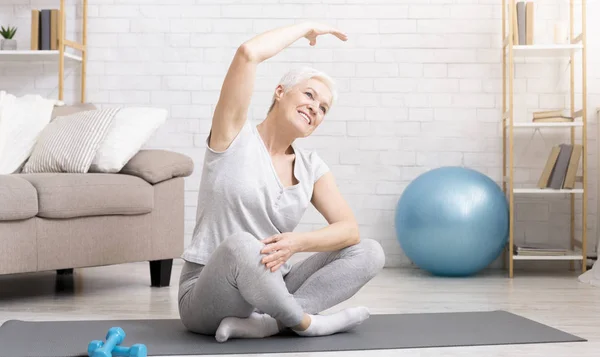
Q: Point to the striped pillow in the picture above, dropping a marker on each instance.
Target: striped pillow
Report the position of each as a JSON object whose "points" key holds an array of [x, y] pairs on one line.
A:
{"points": [[69, 143]]}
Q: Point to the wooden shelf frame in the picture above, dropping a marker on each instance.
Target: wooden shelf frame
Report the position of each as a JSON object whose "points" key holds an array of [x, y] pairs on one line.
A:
{"points": [[63, 43], [510, 51]]}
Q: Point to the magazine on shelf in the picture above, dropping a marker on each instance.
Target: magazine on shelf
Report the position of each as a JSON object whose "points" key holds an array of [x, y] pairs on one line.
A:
{"points": [[539, 249]]}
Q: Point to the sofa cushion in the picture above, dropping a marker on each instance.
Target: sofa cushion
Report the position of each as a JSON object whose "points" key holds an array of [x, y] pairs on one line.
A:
{"points": [[18, 197], [154, 165], [68, 195]]}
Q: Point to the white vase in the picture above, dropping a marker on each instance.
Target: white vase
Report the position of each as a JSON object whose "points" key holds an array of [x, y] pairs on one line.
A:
{"points": [[8, 45]]}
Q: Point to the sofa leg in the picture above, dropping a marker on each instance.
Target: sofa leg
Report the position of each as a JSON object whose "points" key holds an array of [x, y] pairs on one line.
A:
{"points": [[160, 272], [65, 271]]}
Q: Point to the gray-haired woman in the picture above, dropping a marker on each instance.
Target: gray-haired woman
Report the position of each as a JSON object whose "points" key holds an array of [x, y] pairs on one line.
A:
{"points": [[256, 184]]}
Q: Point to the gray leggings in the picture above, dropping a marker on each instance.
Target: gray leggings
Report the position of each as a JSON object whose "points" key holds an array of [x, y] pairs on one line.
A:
{"points": [[234, 283]]}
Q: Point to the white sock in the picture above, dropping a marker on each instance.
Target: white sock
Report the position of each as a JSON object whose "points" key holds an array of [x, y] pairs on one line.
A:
{"points": [[255, 326], [322, 325]]}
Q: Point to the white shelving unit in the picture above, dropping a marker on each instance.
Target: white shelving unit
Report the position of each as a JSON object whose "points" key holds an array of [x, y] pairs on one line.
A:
{"points": [[511, 51], [61, 55]]}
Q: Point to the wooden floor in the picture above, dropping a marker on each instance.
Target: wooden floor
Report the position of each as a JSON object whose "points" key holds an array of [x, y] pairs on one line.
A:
{"points": [[122, 292]]}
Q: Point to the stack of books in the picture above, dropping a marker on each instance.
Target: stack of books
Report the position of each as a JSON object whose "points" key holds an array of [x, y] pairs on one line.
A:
{"points": [[551, 116], [539, 249], [561, 167], [523, 24], [45, 27]]}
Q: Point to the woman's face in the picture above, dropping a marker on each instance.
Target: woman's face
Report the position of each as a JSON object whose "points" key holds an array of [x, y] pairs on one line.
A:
{"points": [[305, 105]]}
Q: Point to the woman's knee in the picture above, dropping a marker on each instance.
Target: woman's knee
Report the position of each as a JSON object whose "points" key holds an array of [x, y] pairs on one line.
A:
{"points": [[372, 254], [242, 243]]}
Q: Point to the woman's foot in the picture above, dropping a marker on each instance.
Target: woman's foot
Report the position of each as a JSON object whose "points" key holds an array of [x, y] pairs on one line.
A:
{"points": [[262, 325], [322, 325], [254, 326]]}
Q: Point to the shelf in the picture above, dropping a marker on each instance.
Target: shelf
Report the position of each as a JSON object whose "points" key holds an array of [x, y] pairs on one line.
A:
{"points": [[547, 190], [514, 55], [570, 255], [36, 56], [549, 50], [546, 125]]}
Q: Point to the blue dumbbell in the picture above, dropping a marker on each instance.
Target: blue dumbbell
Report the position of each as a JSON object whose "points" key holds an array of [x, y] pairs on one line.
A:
{"points": [[114, 338], [137, 350]]}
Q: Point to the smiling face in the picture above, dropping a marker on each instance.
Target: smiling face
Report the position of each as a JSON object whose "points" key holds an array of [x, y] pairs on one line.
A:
{"points": [[305, 105]]}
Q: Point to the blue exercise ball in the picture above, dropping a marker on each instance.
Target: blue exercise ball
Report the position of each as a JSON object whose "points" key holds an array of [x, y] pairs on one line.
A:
{"points": [[452, 221]]}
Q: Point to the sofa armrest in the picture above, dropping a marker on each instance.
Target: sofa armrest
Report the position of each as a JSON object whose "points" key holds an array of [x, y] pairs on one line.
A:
{"points": [[155, 166]]}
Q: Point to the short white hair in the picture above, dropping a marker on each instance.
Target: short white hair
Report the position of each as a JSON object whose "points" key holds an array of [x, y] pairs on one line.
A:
{"points": [[298, 75]]}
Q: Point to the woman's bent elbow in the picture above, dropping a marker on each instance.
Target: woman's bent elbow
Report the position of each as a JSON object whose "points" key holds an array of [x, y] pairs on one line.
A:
{"points": [[246, 52], [354, 233]]}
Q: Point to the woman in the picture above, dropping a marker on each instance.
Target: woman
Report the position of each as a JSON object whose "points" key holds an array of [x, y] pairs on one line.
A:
{"points": [[255, 186]]}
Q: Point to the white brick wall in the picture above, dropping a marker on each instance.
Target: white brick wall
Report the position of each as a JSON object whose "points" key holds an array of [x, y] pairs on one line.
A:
{"points": [[420, 85]]}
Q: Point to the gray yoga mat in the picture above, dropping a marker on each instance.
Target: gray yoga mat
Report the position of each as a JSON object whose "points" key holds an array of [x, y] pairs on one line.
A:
{"points": [[169, 337]]}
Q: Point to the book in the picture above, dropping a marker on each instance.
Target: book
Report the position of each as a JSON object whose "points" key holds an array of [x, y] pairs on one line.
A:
{"points": [[573, 166], [556, 119], [515, 28], [549, 113], [35, 29], [521, 22], [557, 177], [45, 19], [550, 162], [529, 26], [54, 29]]}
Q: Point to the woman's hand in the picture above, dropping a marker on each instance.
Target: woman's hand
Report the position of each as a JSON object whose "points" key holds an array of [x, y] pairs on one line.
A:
{"points": [[317, 29], [279, 248]]}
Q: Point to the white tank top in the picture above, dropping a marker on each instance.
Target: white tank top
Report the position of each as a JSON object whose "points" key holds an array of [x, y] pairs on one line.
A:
{"points": [[241, 192]]}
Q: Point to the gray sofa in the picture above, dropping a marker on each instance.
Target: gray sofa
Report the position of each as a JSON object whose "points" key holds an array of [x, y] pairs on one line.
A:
{"points": [[61, 221]]}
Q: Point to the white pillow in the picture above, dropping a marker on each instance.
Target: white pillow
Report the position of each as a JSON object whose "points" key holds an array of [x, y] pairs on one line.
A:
{"points": [[129, 131], [22, 119], [69, 143]]}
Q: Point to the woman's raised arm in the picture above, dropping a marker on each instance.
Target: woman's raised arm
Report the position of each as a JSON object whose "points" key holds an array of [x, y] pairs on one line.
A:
{"points": [[231, 110]]}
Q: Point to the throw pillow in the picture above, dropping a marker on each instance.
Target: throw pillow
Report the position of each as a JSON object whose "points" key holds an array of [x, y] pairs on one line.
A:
{"points": [[69, 143], [22, 119], [129, 131]]}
